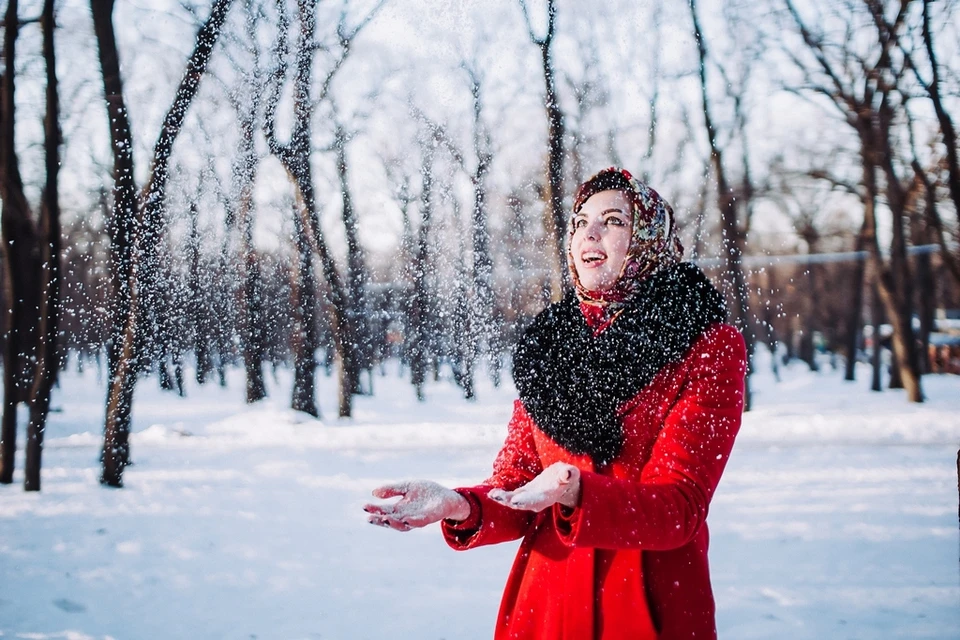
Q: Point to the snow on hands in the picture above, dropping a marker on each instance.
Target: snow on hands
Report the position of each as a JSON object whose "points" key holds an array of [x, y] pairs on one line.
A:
{"points": [[558, 483], [421, 502]]}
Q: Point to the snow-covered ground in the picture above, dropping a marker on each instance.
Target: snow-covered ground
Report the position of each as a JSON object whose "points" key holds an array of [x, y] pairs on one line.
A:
{"points": [[836, 518]]}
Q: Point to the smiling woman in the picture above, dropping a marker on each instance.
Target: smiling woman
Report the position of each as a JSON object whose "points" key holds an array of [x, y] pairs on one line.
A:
{"points": [[601, 237], [631, 394]]}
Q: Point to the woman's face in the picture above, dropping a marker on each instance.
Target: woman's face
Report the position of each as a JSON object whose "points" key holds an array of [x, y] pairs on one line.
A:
{"points": [[601, 237]]}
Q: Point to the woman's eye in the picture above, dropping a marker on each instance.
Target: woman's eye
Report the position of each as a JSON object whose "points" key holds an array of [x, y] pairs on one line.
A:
{"points": [[615, 221], [579, 223]]}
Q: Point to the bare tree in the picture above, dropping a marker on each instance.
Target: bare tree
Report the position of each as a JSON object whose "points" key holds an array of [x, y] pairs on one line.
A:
{"points": [[487, 326], [734, 224], [932, 87], [294, 155], [419, 308], [357, 272], [555, 134], [31, 253], [305, 340], [864, 93], [240, 209], [137, 222], [481, 333]]}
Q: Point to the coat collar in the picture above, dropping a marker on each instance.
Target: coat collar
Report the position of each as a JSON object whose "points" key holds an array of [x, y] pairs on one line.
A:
{"points": [[572, 379]]}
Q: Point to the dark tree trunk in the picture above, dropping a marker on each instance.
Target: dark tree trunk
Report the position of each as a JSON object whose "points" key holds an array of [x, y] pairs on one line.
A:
{"points": [[809, 322], [295, 157], [895, 281], [876, 356], [253, 326], [928, 305], [943, 117], [855, 312], [305, 341], [464, 327], [31, 264], [733, 234], [890, 280], [198, 311], [896, 374], [419, 307], [356, 271], [863, 92], [253, 336], [768, 323], [555, 131], [557, 216], [152, 223], [924, 284], [8, 429], [483, 314], [22, 272], [47, 356], [137, 230]]}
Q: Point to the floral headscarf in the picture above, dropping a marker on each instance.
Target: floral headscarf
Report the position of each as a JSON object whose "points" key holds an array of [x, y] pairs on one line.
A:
{"points": [[654, 244]]}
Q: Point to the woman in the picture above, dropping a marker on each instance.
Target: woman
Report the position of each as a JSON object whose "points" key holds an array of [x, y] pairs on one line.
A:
{"points": [[631, 393]]}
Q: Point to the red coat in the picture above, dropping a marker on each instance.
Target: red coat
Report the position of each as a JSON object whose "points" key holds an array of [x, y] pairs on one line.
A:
{"points": [[630, 562]]}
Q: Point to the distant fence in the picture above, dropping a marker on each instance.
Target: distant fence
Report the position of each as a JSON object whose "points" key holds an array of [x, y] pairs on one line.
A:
{"points": [[808, 258]]}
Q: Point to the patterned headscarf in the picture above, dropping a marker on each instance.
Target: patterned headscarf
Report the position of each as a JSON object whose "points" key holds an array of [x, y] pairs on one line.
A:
{"points": [[654, 244]]}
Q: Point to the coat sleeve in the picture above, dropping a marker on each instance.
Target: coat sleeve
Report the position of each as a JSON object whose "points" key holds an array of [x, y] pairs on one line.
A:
{"points": [[667, 506], [516, 465]]}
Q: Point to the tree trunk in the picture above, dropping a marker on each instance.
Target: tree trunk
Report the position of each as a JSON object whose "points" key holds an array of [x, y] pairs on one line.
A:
{"points": [[199, 314], [137, 229], [305, 342], [895, 282], [356, 272], [896, 374], [890, 280], [253, 336], [254, 328], [22, 261], [876, 356], [924, 284], [419, 308], [484, 316], [733, 240], [855, 313], [8, 429], [555, 133], [943, 117], [556, 216], [768, 324], [809, 326], [295, 157], [47, 356], [151, 227]]}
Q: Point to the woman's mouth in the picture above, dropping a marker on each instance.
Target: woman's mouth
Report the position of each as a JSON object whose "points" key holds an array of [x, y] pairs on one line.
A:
{"points": [[593, 258]]}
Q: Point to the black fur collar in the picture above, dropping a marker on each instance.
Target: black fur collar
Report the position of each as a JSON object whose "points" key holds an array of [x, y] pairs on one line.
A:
{"points": [[572, 383]]}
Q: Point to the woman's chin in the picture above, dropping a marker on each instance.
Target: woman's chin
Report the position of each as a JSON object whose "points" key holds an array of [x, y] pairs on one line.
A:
{"points": [[596, 288]]}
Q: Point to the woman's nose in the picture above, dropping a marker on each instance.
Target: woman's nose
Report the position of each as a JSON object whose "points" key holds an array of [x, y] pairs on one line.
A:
{"points": [[593, 230]]}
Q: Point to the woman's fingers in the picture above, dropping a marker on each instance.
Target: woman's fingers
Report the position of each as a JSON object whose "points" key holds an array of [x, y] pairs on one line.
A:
{"points": [[535, 496], [421, 503], [378, 509], [391, 490], [512, 499], [499, 495], [390, 523]]}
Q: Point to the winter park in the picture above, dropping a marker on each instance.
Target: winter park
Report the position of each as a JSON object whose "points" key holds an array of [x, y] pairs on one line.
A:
{"points": [[512, 319]]}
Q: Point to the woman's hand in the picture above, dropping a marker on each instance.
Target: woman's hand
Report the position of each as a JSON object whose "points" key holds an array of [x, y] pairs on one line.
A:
{"points": [[421, 502], [558, 483]]}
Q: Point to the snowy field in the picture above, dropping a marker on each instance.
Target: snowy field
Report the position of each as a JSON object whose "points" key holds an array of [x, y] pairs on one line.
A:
{"points": [[836, 518]]}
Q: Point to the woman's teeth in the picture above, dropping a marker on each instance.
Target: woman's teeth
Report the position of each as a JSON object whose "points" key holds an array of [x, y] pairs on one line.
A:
{"points": [[593, 257]]}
